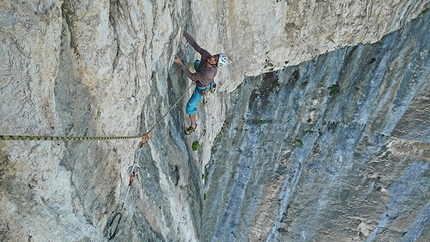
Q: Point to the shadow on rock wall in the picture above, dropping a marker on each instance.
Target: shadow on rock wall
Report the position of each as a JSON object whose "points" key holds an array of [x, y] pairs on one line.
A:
{"points": [[323, 150]]}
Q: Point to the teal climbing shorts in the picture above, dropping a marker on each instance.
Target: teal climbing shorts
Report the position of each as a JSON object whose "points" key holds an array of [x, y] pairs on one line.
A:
{"points": [[191, 107]]}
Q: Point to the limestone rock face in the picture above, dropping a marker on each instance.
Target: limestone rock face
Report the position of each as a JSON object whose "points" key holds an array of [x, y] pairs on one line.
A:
{"points": [[299, 161], [90, 68], [104, 69], [262, 36]]}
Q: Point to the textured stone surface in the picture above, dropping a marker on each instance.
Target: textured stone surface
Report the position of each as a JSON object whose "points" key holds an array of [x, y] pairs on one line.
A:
{"points": [[363, 170], [269, 35], [87, 68], [104, 68]]}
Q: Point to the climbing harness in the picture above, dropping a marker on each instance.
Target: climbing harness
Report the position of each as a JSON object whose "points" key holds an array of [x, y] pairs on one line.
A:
{"points": [[212, 89]]}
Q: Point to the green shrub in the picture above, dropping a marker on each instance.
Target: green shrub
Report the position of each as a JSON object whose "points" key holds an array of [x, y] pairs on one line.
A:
{"points": [[334, 90], [299, 143], [195, 146], [261, 122]]}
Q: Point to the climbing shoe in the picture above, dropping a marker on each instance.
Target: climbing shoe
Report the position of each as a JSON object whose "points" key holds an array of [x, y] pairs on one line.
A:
{"points": [[190, 129]]}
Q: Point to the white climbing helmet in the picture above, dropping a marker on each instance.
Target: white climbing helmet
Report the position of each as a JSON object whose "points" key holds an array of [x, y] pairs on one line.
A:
{"points": [[222, 60]]}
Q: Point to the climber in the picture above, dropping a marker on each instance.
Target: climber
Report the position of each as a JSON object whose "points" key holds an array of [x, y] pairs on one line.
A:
{"points": [[205, 71]]}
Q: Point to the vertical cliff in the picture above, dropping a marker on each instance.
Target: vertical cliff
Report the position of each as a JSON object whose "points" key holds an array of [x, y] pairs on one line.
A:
{"points": [[334, 149], [92, 69], [280, 159]]}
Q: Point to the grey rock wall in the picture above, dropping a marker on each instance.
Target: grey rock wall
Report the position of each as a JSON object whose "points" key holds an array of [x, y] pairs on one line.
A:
{"points": [[293, 163], [262, 36], [86, 68], [104, 68]]}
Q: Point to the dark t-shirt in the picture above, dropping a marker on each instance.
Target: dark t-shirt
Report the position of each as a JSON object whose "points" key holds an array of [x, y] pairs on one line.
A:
{"points": [[204, 75]]}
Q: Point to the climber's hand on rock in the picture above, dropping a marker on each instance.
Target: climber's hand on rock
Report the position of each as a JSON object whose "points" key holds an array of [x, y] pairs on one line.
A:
{"points": [[177, 61]]}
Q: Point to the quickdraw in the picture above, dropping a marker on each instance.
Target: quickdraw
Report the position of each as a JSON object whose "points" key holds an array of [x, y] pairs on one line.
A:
{"points": [[205, 100], [145, 139], [132, 175]]}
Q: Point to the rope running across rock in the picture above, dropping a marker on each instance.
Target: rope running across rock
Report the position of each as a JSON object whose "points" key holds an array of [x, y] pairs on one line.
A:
{"points": [[114, 221], [65, 138]]}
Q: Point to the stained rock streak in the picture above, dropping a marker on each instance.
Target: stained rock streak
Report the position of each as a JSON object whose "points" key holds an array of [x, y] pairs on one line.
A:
{"points": [[362, 172]]}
